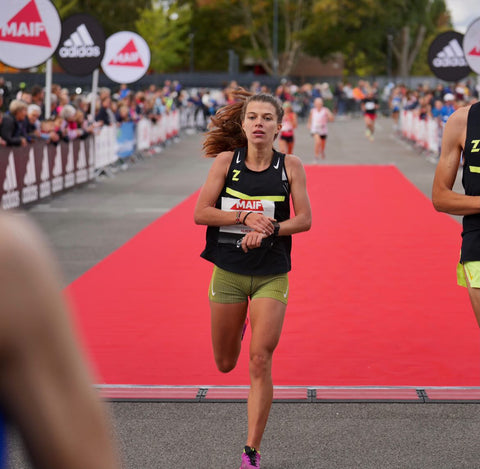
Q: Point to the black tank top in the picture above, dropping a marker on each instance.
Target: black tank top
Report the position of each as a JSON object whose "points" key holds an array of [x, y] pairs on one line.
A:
{"points": [[267, 192], [471, 184]]}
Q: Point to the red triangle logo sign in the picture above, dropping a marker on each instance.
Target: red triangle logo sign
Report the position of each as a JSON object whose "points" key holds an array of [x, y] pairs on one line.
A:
{"points": [[475, 51], [26, 27], [128, 56]]}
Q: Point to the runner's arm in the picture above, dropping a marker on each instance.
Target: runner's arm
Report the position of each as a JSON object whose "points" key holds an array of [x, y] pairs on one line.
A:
{"points": [[302, 219], [444, 199], [205, 211]]}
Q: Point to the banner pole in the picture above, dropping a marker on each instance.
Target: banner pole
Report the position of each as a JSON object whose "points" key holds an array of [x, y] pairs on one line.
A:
{"points": [[48, 88], [94, 94]]}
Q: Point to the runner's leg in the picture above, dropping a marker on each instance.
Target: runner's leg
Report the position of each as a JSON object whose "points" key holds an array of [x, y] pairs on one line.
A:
{"points": [[266, 317], [227, 321]]}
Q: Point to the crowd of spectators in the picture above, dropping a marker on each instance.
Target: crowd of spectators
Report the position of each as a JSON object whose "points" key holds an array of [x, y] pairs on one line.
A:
{"points": [[23, 116], [23, 111]]}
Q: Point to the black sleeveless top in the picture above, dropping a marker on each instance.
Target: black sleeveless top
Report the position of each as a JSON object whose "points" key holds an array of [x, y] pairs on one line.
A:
{"points": [[471, 184], [266, 192]]}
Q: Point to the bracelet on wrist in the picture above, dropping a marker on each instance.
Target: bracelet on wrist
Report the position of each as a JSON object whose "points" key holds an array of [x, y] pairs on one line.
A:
{"points": [[245, 217], [237, 217], [276, 229]]}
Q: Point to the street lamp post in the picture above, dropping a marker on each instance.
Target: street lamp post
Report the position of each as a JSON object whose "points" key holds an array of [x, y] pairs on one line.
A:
{"points": [[192, 63]]}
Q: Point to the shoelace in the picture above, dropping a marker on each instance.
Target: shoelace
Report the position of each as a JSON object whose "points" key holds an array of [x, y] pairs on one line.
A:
{"points": [[252, 456]]}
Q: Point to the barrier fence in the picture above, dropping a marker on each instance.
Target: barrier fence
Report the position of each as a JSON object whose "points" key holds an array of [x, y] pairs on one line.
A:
{"points": [[425, 133], [41, 170]]}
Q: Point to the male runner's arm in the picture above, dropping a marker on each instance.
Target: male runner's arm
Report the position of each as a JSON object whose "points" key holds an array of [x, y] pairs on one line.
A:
{"points": [[443, 197], [45, 385]]}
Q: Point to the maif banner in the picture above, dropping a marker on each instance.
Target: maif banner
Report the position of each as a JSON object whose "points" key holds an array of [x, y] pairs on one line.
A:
{"points": [[471, 46], [127, 57], [29, 32]]}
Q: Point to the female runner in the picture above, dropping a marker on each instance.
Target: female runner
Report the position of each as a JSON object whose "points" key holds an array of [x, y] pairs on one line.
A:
{"points": [[245, 203]]}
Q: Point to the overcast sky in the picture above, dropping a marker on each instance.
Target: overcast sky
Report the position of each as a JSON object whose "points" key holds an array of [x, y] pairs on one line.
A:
{"points": [[463, 12]]}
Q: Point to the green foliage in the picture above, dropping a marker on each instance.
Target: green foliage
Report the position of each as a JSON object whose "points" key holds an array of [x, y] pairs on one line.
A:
{"points": [[65, 7], [115, 15], [359, 29], [167, 33], [356, 28]]}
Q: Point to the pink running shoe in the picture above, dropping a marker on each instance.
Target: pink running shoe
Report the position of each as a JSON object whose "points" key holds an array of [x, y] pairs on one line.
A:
{"points": [[250, 458]]}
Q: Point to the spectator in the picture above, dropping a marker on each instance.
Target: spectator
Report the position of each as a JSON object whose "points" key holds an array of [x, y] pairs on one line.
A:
{"points": [[448, 108], [32, 122], [2, 142], [13, 124], [85, 128], [48, 131], [105, 114], [69, 127]]}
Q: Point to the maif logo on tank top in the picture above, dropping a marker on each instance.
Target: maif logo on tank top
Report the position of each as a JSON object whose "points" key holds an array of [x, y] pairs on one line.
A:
{"points": [[266, 207]]}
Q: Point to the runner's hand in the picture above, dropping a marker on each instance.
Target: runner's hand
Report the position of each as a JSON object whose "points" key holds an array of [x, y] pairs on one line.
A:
{"points": [[252, 240], [260, 223]]}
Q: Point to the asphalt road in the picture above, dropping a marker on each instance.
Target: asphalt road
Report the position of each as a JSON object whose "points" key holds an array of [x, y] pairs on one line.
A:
{"points": [[86, 224]]}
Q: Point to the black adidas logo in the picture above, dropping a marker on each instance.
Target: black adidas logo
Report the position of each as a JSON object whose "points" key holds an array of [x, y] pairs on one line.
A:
{"points": [[79, 45]]}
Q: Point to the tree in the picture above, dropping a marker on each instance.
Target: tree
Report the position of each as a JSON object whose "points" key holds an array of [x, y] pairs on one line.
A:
{"points": [[115, 15], [65, 7], [413, 22], [359, 29], [259, 26], [166, 30]]}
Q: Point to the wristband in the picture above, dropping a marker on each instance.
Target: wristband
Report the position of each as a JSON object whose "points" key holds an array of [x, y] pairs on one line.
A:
{"points": [[276, 229], [245, 217], [237, 218]]}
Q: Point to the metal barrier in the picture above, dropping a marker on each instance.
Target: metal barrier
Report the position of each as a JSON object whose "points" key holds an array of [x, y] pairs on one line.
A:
{"points": [[425, 133], [41, 170]]}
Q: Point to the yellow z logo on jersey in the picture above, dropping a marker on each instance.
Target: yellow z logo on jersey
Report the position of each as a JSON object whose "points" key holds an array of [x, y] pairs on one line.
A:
{"points": [[236, 172], [475, 147]]}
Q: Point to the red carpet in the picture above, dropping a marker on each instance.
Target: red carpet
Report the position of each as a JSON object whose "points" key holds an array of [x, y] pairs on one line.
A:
{"points": [[373, 296]]}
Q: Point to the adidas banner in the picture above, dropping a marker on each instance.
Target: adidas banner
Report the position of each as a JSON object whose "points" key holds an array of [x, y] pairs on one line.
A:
{"points": [[82, 45], [127, 57], [29, 32], [471, 46], [446, 58], [39, 170]]}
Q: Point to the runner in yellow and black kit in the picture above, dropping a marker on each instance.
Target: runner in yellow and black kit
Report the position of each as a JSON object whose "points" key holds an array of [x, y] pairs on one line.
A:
{"points": [[461, 138], [245, 203]]}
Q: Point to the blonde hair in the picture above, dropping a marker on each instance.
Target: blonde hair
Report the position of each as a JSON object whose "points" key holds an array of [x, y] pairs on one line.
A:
{"points": [[17, 105], [226, 132]]}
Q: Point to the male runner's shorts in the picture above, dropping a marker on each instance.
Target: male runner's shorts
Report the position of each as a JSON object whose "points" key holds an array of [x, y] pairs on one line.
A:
{"points": [[472, 269], [229, 287]]}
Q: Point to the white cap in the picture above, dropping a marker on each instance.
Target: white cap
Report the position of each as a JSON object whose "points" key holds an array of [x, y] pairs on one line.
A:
{"points": [[449, 97]]}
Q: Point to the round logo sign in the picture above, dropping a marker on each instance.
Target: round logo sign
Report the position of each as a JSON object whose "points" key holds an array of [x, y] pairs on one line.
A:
{"points": [[29, 32], [471, 45], [446, 58], [127, 57], [82, 45]]}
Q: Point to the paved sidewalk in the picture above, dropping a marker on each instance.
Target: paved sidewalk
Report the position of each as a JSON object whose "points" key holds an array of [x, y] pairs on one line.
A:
{"points": [[88, 223]]}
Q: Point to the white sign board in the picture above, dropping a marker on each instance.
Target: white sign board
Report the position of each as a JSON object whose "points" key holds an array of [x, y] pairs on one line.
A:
{"points": [[127, 57], [471, 46], [29, 32]]}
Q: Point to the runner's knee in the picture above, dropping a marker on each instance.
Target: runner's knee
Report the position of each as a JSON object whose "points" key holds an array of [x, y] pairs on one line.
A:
{"points": [[260, 364]]}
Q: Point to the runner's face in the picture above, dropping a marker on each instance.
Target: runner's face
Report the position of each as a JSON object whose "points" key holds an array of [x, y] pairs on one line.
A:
{"points": [[260, 123]]}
